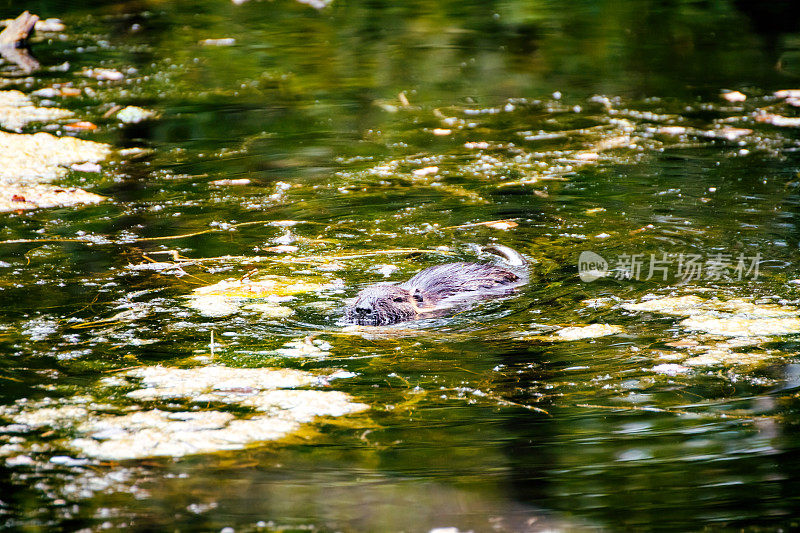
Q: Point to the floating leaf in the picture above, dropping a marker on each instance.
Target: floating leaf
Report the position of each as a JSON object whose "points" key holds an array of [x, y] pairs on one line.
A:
{"points": [[80, 126]]}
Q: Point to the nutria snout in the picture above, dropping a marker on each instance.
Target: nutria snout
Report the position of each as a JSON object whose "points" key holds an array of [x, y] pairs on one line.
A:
{"points": [[437, 289]]}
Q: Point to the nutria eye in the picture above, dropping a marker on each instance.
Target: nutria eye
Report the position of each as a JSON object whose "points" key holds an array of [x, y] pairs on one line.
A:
{"points": [[418, 297], [399, 299]]}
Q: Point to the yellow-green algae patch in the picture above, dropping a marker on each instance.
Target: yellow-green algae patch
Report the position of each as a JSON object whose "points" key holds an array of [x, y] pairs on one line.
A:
{"points": [[228, 296], [730, 318], [723, 357], [742, 327], [670, 305], [591, 331], [165, 382], [713, 352], [265, 405], [42, 157], [574, 333], [13, 198], [705, 350], [17, 111], [28, 163]]}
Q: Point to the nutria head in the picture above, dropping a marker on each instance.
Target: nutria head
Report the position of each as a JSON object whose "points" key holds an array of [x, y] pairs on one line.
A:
{"points": [[382, 304]]}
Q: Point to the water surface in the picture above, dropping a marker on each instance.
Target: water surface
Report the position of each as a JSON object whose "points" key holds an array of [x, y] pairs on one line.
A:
{"points": [[591, 126]]}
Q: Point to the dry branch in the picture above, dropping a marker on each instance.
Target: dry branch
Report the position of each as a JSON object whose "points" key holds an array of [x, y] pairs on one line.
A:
{"points": [[13, 37], [18, 30]]}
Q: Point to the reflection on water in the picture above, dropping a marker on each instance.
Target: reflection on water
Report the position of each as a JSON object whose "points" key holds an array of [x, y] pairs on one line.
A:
{"points": [[326, 150]]}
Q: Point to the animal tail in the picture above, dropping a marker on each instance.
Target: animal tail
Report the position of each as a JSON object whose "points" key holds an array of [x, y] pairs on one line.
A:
{"points": [[512, 257]]}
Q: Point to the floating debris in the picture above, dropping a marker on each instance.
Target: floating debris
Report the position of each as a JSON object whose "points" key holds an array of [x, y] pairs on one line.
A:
{"points": [[788, 93], [730, 133], [591, 331], [86, 167], [494, 224], [426, 171], [670, 369], [17, 111], [19, 197], [80, 126], [239, 181], [103, 74], [276, 410], [214, 305], [161, 382], [28, 162], [50, 25], [742, 327], [723, 357], [730, 318], [574, 333], [316, 4], [225, 41], [41, 157], [384, 269], [670, 305], [228, 296], [778, 120], [133, 115], [790, 96], [734, 96], [719, 350], [694, 305], [672, 130]]}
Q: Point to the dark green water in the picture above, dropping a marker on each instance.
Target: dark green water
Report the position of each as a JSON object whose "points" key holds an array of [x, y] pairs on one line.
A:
{"points": [[509, 101]]}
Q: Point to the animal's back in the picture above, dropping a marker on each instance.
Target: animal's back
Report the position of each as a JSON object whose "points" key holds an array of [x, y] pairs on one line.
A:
{"points": [[443, 281]]}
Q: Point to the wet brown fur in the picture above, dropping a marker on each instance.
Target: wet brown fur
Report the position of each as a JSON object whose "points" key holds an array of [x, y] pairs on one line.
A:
{"points": [[433, 291]]}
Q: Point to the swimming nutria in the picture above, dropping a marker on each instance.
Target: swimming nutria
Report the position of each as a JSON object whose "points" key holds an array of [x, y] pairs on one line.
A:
{"points": [[437, 289]]}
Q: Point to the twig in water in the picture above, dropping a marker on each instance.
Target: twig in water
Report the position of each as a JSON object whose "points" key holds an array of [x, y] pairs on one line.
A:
{"points": [[672, 411]]}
